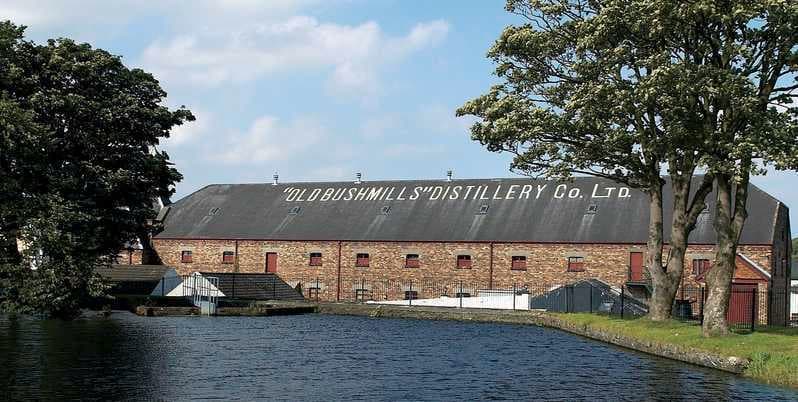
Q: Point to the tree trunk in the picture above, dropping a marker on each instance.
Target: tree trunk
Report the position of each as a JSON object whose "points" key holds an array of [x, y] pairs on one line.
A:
{"points": [[666, 282], [660, 304], [729, 218]]}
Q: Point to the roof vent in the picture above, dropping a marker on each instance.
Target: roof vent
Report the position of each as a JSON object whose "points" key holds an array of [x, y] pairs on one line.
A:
{"points": [[448, 175], [483, 209], [592, 209], [276, 178], [214, 211], [294, 210], [385, 209], [358, 178]]}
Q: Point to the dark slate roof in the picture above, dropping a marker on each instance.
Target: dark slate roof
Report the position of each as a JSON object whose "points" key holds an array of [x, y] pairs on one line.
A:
{"points": [[252, 286], [518, 210], [133, 273]]}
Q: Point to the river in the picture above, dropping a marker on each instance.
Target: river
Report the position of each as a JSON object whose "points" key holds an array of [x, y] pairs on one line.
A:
{"points": [[319, 357]]}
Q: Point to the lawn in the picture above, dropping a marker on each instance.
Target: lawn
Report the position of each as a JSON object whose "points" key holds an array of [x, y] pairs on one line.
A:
{"points": [[773, 351]]}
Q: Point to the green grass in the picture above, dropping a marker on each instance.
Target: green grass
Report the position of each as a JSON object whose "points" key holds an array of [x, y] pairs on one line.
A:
{"points": [[773, 351]]}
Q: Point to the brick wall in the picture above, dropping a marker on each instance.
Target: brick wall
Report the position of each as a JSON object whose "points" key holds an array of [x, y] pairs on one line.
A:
{"points": [[386, 276], [133, 257]]}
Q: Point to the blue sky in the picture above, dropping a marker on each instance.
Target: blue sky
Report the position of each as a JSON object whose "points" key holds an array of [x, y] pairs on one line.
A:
{"points": [[315, 90]]}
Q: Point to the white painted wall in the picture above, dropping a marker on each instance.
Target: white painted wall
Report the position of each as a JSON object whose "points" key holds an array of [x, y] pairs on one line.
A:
{"points": [[489, 301], [186, 287]]}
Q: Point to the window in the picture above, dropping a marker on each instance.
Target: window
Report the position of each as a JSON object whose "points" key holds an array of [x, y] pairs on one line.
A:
{"points": [[214, 211], [483, 209], [411, 295], [385, 209], [700, 266], [592, 209], [185, 256], [519, 263], [228, 257], [464, 261], [294, 210], [313, 293], [362, 260], [576, 264], [462, 294], [315, 259], [411, 261]]}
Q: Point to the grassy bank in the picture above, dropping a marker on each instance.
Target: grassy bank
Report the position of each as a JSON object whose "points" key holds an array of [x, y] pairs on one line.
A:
{"points": [[773, 352]]}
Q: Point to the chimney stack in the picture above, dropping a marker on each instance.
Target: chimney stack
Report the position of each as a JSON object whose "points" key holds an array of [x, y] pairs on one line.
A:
{"points": [[276, 178], [358, 178]]}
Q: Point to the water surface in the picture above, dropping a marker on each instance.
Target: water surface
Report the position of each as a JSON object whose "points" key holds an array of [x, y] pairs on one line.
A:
{"points": [[316, 357]]}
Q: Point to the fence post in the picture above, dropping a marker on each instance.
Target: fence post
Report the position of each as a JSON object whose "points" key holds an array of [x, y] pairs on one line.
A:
{"points": [[753, 309], [461, 294], [274, 288], [410, 294], [318, 289], [623, 294], [591, 297], [702, 305], [513, 296]]}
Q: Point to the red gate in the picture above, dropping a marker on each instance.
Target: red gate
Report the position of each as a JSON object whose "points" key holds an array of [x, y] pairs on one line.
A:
{"points": [[742, 304]]}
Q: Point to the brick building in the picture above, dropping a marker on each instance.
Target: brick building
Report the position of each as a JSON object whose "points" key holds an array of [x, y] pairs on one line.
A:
{"points": [[347, 241]]}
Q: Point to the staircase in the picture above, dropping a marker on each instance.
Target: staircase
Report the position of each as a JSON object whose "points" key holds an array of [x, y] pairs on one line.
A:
{"points": [[203, 291], [255, 286]]}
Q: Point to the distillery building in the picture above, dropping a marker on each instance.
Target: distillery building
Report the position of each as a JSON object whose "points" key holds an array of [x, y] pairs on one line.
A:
{"points": [[356, 240]]}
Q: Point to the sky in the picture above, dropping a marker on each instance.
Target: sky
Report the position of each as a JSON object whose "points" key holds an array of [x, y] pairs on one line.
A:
{"points": [[315, 90]]}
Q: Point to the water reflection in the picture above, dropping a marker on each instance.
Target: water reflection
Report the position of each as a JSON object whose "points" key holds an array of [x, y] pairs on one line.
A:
{"points": [[326, 358]]}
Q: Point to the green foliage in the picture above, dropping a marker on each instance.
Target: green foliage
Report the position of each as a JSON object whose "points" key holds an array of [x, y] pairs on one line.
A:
{"points": [[624, 88], [618, 87], [79, 169]]}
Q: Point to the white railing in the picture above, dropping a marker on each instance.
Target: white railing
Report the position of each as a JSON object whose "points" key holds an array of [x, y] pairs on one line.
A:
{"points": [[203, 291]]}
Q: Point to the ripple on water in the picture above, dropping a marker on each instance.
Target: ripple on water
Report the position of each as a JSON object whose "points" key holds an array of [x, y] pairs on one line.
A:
{"points": [[316, 357]]}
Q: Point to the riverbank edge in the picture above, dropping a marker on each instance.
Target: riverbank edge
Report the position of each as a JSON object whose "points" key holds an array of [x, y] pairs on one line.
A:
{"points": [[731, 364]]}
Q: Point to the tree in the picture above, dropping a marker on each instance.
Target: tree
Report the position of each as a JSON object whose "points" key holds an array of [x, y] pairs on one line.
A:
{"points": [[79, 167], [752, 49], [605, 89]]}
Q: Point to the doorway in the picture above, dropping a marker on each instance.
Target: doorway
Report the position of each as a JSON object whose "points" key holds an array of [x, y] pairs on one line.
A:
{"points": [[271, 262]]}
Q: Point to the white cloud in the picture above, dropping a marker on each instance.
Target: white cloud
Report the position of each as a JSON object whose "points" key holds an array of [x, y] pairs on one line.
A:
{"points": [[268, 140], [353, 53], [440, 119], [189, 131], [99, 14], [376, 127]]}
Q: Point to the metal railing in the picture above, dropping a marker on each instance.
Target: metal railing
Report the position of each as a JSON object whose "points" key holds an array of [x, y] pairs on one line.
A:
{"points": [[748, 308], [203, 292]]}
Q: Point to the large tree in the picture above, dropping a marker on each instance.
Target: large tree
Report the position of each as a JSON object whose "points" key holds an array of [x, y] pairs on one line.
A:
{"points": [[752, 59], [619, 88], [599, 88], [79, 165]]}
